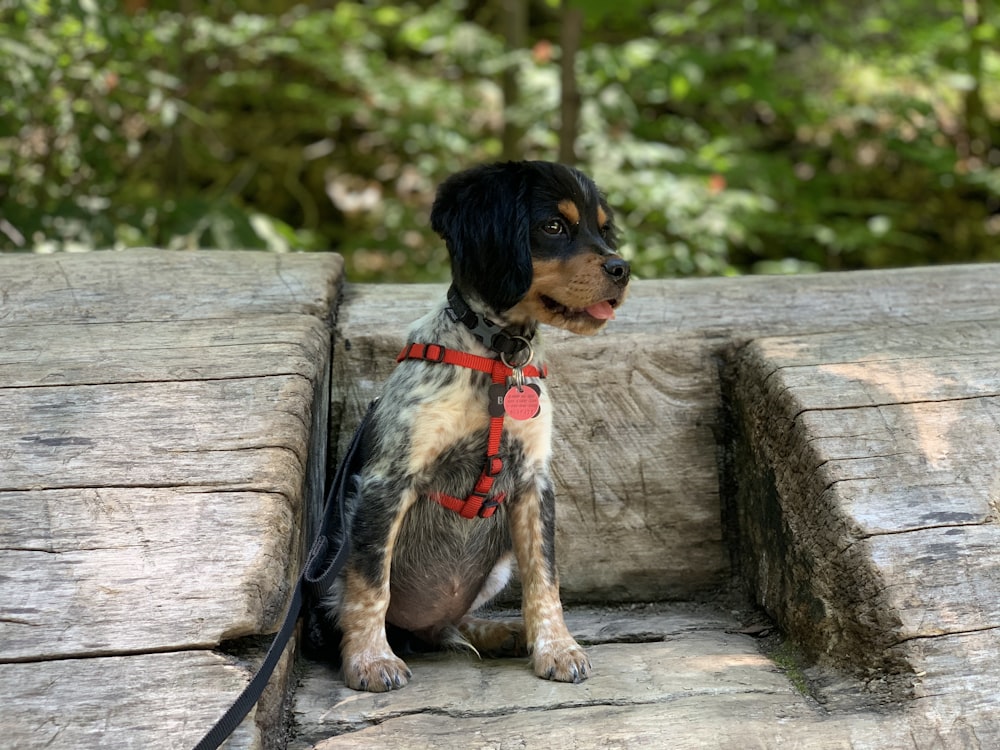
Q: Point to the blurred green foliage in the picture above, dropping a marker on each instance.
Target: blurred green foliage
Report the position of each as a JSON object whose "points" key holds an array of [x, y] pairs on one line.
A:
{"points": [[753, 136]]}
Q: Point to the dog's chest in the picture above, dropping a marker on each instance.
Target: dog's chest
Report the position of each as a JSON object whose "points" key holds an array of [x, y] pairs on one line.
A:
{"points": [[460, 413]]}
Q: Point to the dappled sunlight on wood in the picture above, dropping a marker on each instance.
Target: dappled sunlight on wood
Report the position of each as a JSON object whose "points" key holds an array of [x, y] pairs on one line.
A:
{"points": [[894, 381]]}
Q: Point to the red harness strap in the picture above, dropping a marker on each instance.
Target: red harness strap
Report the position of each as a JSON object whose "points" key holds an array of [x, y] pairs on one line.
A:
{"points": [[477, 503]]}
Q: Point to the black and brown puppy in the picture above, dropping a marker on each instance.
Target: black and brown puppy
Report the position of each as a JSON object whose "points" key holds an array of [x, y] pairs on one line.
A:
{"points": [[452, 496]]}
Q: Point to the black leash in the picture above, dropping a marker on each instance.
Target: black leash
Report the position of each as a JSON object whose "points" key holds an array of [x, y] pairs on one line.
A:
{"points": [[317, 577]]}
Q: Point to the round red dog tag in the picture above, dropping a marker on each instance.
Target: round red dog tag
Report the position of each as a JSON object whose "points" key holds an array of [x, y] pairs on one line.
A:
{"points": [[521, 404]]}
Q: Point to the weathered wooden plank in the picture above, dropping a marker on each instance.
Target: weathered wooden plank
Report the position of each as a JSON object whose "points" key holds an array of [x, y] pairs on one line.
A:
{"points": [[95, 571], [636, 509], [216, 349], [686, 656], [712, 666], [121, 703], [908, 466], [143, 534], [902, 365], [957, 680], [739, 722], [646, 623], [744, 722], [151, 471], [920, 459], [676, 679], [673, 677], [914, 342], [941, 581], [867, 504], [248, 433], [151, 285], [162, 453], [742, 309]]}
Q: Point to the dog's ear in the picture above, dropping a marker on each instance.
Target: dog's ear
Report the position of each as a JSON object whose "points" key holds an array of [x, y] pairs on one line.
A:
{"points": [[484, 217]]}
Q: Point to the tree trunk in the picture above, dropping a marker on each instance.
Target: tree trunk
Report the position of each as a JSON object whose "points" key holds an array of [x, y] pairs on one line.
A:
{"points": [[569, 105], [514, 19], [976, 145]]}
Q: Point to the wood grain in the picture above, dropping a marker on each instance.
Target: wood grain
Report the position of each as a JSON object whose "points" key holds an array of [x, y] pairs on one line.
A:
{"points": [[663, 679], [51, 354], [103, 570], [162, 460], [867, 503], [233, 433], [732, 723], [685, 658], [157, 285], [128, 702]]}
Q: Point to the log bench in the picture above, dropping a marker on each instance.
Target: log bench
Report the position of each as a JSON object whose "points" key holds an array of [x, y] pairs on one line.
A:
{"points": [[822, 446]]}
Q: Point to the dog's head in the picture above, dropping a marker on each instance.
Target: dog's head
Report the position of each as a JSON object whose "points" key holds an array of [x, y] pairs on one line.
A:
{"points": [[534, 242]]}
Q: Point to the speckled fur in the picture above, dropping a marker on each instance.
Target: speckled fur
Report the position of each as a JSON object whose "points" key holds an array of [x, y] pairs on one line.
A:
{"points": [[414, 563]]}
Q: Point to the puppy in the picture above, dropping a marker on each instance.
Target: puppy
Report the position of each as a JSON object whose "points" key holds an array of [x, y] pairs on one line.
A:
{"points": [[456, 490]]}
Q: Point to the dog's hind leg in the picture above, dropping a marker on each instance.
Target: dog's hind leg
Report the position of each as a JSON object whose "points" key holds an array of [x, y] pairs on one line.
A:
{"points": [[493, 637], [555, 654], [368, 661]]}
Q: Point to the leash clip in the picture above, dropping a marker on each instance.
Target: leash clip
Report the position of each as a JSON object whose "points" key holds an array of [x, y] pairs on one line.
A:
{"points": [[518, 368]]}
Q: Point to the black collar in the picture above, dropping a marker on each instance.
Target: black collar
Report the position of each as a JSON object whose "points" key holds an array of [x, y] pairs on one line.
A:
{"points": [[501, 340]]}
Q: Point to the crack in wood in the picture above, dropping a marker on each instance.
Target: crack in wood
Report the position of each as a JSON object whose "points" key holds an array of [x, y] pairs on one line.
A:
{"points": [[347, 727], [152, 381], [949, 634], [914, 529], [199, 487], [108, 653], [897, 402]]}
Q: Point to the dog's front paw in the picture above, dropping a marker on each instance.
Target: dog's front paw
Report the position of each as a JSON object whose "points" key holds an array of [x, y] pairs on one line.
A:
{"points": [[563, 660], [375, 672]]}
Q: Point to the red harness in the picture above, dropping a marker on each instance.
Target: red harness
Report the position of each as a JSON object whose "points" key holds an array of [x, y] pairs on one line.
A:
{"points": [[477, 503]]}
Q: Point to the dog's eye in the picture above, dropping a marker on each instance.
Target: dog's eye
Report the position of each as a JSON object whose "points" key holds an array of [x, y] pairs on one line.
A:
{"points": [[553, 227]]}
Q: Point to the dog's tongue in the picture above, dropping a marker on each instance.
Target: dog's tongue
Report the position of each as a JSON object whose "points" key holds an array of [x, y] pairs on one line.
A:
{"points": [[601, 311]]}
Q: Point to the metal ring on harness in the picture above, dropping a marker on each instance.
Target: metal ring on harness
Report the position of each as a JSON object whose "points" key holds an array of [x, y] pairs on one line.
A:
{"points": [[527, 361], [518, 369]]}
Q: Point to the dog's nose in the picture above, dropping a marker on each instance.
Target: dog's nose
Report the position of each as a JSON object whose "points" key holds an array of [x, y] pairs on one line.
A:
{"points": [[618, 269]]}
